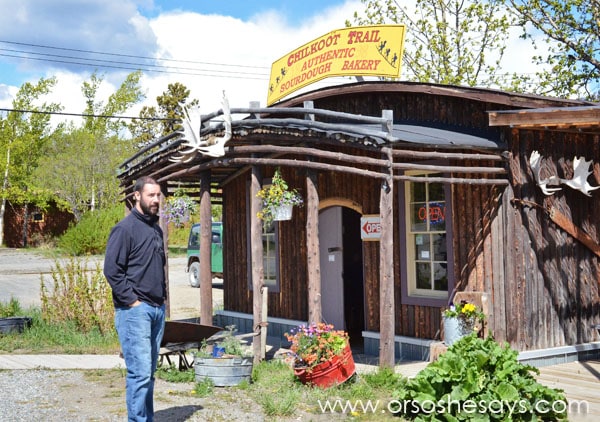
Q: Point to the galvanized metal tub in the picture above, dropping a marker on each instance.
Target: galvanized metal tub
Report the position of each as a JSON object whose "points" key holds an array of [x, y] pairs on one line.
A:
{"points": [[223, 371]]}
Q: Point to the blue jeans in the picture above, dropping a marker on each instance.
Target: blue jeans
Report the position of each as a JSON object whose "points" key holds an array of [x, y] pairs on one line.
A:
{"points": [[140, 331]]}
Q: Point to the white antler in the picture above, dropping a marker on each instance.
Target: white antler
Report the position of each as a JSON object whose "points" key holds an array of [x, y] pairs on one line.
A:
{"points": [[216, 146], [191, 134], [581, 171], [535, 162]]}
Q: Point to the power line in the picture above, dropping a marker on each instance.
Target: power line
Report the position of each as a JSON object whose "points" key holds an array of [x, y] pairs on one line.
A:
{"points": [[146, 67], [101, 116], [199, 73], [127, 55]]}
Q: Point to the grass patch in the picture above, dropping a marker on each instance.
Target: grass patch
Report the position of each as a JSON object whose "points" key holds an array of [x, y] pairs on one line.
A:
{"points": [[45, 337], [280, 393]]}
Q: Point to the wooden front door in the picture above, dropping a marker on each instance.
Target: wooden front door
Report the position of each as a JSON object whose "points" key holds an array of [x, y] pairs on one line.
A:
{"points": [[332, 266]]}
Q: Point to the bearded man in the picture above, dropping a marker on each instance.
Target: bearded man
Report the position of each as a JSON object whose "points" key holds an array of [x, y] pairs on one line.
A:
{"points": [[134, 266]]}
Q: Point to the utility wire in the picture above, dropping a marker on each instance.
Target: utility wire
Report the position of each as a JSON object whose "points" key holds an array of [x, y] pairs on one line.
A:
{"points": [[113, 64], [127, 55], [198, 73], [117, 62]]}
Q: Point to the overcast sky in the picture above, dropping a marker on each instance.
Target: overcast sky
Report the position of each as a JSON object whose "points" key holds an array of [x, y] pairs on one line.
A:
{"points": [[207, 45]]}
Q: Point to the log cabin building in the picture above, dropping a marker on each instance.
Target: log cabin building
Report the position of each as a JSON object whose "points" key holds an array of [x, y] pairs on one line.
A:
{"points": [[414, 194]]}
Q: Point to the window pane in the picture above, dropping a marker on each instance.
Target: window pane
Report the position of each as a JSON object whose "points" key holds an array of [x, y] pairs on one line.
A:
{"points": [[436, 192], [418, 192], [422, 247], [440, 277], [437, 216], [418, 217], [423, 276], [269, 256], [439, 247]]}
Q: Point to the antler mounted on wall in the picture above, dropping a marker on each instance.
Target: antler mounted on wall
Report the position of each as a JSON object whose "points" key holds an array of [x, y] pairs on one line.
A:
{"points": [[581, 171]]}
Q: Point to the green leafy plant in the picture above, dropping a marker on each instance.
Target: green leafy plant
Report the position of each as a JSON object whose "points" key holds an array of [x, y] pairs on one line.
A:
{"points": [[78, 295], [232, 345], [316, 343], [10, 308], [478, 378], [275, 195], [203, 388], [171, 373], [89, 236]]}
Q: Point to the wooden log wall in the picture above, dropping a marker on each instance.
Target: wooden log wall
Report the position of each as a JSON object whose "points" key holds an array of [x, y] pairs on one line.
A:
{"points": [[552, 290]]}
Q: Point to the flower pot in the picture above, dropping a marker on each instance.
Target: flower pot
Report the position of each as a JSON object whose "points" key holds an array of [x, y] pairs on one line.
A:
{"points": [[282, 212], [223, 372], [14, 324], [457, 328], [326, 374]]}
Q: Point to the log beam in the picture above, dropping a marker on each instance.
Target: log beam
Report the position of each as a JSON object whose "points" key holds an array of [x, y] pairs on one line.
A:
{"points": [[206, 300]]}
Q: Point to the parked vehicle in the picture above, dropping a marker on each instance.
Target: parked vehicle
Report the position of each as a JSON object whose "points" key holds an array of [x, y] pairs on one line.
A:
{"points": [[193, 253]]}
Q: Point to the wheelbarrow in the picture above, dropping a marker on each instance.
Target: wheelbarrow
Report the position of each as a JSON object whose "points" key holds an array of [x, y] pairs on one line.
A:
{"points": [[181, 336]]}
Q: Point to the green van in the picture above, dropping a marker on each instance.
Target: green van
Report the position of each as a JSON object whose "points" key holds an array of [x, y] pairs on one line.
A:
{"points": [[193, 251]]}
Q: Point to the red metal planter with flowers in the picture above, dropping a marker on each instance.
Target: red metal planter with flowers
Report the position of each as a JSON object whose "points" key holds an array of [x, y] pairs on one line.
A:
{"points": [[322, 355], [337, 370]]}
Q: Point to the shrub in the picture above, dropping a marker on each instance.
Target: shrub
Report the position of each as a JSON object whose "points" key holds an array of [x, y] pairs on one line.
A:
{"points": [[79, 295], [478, 378], [89, 236], [10, 309]]}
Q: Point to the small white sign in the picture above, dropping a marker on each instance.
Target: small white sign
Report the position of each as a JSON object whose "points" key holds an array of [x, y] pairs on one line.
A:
{"points": [[370, 227]]}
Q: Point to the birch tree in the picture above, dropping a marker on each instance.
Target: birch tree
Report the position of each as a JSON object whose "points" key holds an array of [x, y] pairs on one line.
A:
{"points": [[83, 162], [23, 134]]}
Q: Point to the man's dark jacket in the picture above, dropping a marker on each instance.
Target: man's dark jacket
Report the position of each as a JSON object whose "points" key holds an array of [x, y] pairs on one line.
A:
{"points": [[135, 260]]}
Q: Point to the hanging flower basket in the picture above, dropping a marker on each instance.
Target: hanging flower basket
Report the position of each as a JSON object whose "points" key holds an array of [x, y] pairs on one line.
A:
{"points": [[278, 200], [282, 212]]}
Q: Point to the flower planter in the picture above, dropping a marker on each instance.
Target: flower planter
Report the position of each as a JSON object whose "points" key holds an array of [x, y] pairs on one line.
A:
{"points": [[457, 328], [223, 372], [14, 324], [326, 374], [282, 212]]}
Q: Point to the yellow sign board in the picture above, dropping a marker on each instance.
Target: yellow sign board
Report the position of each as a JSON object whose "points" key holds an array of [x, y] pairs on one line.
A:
{"points": [[358, 51]]}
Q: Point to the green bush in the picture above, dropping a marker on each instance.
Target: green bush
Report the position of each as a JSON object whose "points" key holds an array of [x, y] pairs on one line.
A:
{"points": [[89, 236], [477, 379], [80, 296], [10, 309]]}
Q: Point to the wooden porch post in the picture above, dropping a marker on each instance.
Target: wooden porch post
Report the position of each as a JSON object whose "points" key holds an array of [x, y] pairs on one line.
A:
{"points": [[206, 300], [386, 270], [258, 275], [313, 262], [163, 224]]}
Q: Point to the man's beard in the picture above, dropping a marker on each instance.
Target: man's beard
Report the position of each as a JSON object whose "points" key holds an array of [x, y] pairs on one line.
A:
{"points": [[149, 209]]}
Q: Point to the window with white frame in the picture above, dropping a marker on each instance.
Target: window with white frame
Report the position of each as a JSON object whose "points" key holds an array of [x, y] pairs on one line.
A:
{"points": [[427, 255], [270, 255]]}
